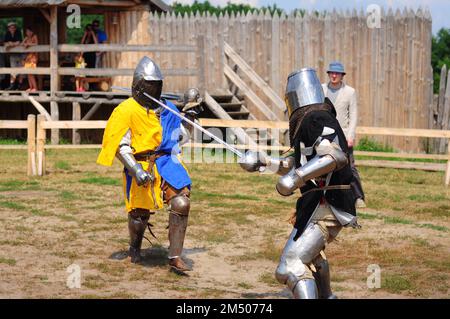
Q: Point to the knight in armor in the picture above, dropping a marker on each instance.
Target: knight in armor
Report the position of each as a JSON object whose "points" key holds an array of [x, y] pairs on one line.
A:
{"points": [[145, 138], [320, 168]]}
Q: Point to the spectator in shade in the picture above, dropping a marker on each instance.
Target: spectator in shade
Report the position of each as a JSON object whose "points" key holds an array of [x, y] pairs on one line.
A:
{"points": [[13, 38], [31, 58], [101, 38], [89, 37]]}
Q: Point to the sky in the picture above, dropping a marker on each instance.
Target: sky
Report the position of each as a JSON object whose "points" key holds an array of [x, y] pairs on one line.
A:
{"points": [[440, 9]]}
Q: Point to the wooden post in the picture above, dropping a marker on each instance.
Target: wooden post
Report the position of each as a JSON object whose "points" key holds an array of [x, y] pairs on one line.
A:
{"points": [[31, 141], [54, 77], [447, 169], [40, 143], [76, 116], [201, 63]]}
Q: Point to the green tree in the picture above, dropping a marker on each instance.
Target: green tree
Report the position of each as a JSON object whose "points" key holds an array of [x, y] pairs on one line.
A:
{"points": [[206, 6], [440, 54]]}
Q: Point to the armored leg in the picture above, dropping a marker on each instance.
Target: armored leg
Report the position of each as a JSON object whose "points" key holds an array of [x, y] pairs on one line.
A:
{"points": [[322, 276], [179, 206], [294, 267], [137, 222]]}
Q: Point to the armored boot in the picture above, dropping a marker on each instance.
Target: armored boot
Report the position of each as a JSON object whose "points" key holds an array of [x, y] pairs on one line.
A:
{"points": [[305, 289], [137, 222], [179, 206], [322, 276]]}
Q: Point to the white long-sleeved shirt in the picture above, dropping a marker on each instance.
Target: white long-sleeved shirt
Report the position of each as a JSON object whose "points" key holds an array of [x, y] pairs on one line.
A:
{"points": [[344, 100]]}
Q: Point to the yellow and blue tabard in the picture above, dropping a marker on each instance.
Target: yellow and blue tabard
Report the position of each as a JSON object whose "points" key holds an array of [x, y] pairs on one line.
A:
{"points": [[148, 133]]}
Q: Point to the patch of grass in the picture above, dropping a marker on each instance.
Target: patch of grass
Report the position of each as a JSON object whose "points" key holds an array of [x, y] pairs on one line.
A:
{"points": [[101, 181], [66, 195], [11, 185], [367, 216], [12, 205], [434, 227], [40, 212], [8, 261], [396, 220], [245, 285], [199, 195], [395, 283], [367, 144], [63, 165], [269, 279], [421, 242], [10, 141], [94, 282]]}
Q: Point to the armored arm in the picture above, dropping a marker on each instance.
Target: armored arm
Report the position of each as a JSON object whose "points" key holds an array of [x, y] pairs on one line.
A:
{"points": [[329, 158], [185, 135], [255, 161], [125, 155]]}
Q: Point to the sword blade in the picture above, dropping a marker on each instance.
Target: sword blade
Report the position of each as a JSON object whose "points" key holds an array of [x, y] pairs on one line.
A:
{"points": [[196, 125]]}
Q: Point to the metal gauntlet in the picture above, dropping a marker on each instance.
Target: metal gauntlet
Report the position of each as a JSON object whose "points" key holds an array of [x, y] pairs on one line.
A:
{"points": [[253, 161], [134, 168], [125, 155]]}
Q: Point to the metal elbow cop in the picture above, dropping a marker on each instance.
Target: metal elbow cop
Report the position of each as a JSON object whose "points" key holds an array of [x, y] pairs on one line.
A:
{"points": [[318, 166]]}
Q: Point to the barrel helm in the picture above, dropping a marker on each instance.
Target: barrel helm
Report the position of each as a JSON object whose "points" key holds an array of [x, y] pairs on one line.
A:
{"points": [[304, 93], [147, 78]]}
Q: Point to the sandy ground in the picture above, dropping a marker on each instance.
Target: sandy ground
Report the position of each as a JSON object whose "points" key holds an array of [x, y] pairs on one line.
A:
{"points": [[236, 233]]}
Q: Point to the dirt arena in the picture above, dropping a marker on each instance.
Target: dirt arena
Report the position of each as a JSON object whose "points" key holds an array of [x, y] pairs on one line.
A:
{"points": [[237, 228]]}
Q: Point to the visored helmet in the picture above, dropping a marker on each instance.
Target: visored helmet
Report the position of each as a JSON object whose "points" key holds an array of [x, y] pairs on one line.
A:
{"points": [[147, 78]]}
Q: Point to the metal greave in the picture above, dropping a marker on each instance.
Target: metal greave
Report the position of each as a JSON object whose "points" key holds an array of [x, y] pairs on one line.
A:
{"points": [[137, 222], [177, 232]]}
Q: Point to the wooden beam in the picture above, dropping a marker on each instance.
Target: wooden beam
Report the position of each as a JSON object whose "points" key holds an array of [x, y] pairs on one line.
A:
{"points": [[54, 77], [255, 78], [447, 169], [76, 116], [100, 3], [21, 49], [267, 112], [74, 124], [31, 142], [91, 111], [402, 155], [40, 143], [215, 107], [46, 15], [13, 124], [123, 47], [40, 108], [117, 72], [25, 71], [403, 165]]}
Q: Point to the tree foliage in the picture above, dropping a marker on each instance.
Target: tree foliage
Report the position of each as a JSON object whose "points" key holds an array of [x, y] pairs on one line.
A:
{"points": [[440, 54], [206, 6]]}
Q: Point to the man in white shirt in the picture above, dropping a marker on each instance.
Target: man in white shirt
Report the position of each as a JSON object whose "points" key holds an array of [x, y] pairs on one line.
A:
{"points": [[343, 98]]}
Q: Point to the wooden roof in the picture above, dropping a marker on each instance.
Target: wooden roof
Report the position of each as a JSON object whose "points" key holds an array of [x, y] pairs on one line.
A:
{"points": [[158, 5]]}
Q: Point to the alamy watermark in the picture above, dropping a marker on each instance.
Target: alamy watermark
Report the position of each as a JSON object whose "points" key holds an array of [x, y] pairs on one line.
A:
{"points": [[374, 279], [74, 277], [373, 16], [73, 20]]}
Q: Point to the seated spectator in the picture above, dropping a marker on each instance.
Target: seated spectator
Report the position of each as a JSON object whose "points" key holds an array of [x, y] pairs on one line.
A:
{"points": [[13, 38], [31, 58]]}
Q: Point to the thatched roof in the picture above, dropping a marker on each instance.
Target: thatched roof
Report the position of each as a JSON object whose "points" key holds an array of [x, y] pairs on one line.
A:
{"points": [[158, 4]]}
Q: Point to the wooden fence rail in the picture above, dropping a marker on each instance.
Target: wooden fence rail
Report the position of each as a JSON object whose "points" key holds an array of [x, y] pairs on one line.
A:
{"points": [[30, 126], [43, 125]]}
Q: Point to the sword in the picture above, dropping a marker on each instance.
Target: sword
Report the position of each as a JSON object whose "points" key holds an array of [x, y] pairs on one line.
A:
{"points": [[197, 126]]}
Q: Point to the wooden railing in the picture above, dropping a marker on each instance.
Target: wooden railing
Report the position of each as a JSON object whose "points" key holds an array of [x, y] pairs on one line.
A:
{"points": [[30, 126], [43, 125], [108, 48], [232, 75]]}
